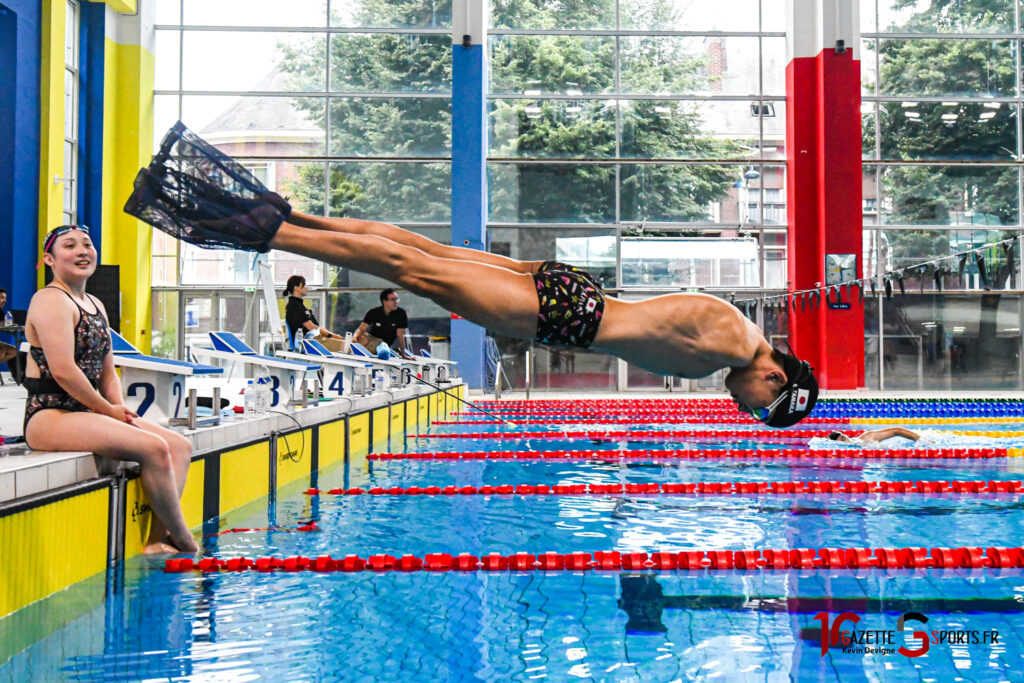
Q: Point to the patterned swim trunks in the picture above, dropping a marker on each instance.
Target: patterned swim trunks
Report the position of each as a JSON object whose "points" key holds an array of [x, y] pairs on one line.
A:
{"points": [[571, 305]]}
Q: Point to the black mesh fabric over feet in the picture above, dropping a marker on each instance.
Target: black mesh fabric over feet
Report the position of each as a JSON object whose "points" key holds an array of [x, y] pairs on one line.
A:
{"points": [[195, 192]]}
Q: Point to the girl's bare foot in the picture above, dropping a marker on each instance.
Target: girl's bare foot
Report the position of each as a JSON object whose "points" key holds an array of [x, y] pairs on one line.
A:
{"points": [[159, 548]]}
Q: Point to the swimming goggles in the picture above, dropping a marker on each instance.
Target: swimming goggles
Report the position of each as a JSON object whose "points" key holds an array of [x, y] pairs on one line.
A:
{"points": [[52, 236], [765, 414]]}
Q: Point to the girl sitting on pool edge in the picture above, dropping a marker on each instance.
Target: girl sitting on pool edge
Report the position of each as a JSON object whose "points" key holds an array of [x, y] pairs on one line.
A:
{"points": [[74, 395]]}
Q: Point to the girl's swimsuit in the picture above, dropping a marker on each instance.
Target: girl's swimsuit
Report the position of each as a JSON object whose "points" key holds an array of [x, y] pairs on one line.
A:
{"points": [[92, 344], [571, 305]]}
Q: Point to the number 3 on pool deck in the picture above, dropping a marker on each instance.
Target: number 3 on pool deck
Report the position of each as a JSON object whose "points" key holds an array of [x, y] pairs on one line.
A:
{"points": [[336, 383]]}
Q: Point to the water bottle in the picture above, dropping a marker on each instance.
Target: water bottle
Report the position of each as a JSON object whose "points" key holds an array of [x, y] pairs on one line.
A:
{"points": [[249, 398], [261, 378], [262, 395], [8, 319]]}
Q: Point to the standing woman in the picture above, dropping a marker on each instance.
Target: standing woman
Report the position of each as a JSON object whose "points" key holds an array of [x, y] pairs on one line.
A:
{"points": [[74, 395], [297, 317]]}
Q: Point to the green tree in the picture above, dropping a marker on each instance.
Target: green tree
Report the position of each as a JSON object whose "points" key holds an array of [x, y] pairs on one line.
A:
{"points": [[577, 127], [951, 131], [946, 131]]}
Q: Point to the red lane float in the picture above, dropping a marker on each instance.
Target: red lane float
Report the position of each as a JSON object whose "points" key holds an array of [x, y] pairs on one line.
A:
{"points": [[660, 419], [633, 435], [311, 526], [853, 455], [693, 488], [707, 560]]}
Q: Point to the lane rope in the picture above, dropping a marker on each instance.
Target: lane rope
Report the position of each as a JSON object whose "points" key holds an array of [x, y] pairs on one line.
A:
{"points": [[683, 434], [714, 488], [851, 454], [702, 560]]}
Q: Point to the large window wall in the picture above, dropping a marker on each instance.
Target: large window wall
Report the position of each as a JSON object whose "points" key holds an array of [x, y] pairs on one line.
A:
{"points": [[622, 133], [343, 107], [942, 176], [642, 139]]}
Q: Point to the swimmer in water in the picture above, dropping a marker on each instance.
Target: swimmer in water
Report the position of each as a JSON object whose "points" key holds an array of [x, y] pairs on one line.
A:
{"points": [[875, 436]]}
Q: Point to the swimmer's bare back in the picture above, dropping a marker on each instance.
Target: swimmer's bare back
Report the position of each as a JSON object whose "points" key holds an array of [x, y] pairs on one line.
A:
{"points": [[686, 335]]}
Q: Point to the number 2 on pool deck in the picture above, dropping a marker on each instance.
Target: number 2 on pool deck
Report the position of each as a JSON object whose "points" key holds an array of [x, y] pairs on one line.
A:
{"points": [[148, 396], [336, 383]]}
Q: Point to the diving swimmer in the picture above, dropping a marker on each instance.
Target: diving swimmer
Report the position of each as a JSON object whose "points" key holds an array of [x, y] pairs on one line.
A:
{"points": [[194, 192]]}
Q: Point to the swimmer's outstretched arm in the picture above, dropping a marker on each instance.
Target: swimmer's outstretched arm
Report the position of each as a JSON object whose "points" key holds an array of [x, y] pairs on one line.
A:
{"points": [[882, 434]]}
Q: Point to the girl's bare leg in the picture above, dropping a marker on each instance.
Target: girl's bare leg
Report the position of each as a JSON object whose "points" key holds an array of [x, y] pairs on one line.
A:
{"points": [[58, 430], [502, 299], [354, 226], [181, 457]]}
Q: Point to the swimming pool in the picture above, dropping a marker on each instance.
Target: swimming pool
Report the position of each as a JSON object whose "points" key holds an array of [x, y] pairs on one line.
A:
{"points": [[563, 625]]}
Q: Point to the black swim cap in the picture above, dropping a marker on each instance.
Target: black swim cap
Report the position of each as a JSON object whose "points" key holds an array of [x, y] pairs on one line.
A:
{"points": [[797, 398]]}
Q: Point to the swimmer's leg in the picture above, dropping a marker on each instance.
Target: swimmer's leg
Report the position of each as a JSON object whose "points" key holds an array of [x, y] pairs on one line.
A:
{"points": [[58, 430], [394, 233], [181, 457], [492, 296]]}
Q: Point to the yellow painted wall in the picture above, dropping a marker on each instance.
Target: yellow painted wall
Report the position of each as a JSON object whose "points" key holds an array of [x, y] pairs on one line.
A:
{"points": [[123, 6], [412, 413], [139, 515], [424, 420], [51, 130], [358, 440], [332, 442], [381, 427], [397, 422], [294, 457], [244, 475], [127, 147], [48, 548]]}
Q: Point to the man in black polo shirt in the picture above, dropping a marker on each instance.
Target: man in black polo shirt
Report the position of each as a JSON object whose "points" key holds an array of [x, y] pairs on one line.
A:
{"points": [[386, 323]]}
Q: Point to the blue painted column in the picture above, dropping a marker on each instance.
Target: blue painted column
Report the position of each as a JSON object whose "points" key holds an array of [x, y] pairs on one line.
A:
{"points": [[90, 118], [469, 164], [20, 57]]}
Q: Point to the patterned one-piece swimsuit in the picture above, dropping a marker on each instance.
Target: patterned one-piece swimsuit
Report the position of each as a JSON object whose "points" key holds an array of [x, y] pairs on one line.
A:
{"points": [[92, 344]]}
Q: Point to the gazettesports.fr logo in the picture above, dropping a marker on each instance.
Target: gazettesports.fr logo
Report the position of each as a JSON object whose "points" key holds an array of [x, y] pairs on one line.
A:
{"points": [[883, 641]]}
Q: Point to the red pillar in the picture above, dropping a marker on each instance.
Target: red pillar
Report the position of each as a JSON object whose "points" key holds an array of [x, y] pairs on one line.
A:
{"points": [[823, 153]]}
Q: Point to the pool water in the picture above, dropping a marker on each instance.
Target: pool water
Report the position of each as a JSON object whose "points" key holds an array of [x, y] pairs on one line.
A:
{"points": [[587, 625]]}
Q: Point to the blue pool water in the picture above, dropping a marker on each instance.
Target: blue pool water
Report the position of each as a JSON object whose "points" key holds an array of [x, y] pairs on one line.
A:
{"points": [[599, 626]]}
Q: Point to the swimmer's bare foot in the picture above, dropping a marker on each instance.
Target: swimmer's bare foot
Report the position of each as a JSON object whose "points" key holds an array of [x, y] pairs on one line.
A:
{"points": [[159, 548], [185, 545], [168, 545]]}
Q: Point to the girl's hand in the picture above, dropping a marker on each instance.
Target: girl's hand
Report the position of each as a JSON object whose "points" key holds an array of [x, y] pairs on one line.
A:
{"points": [[122, 413]]}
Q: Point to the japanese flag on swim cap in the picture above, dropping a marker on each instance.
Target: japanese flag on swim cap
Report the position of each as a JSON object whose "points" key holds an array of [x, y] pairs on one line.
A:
{"points": [[798, 397]]}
